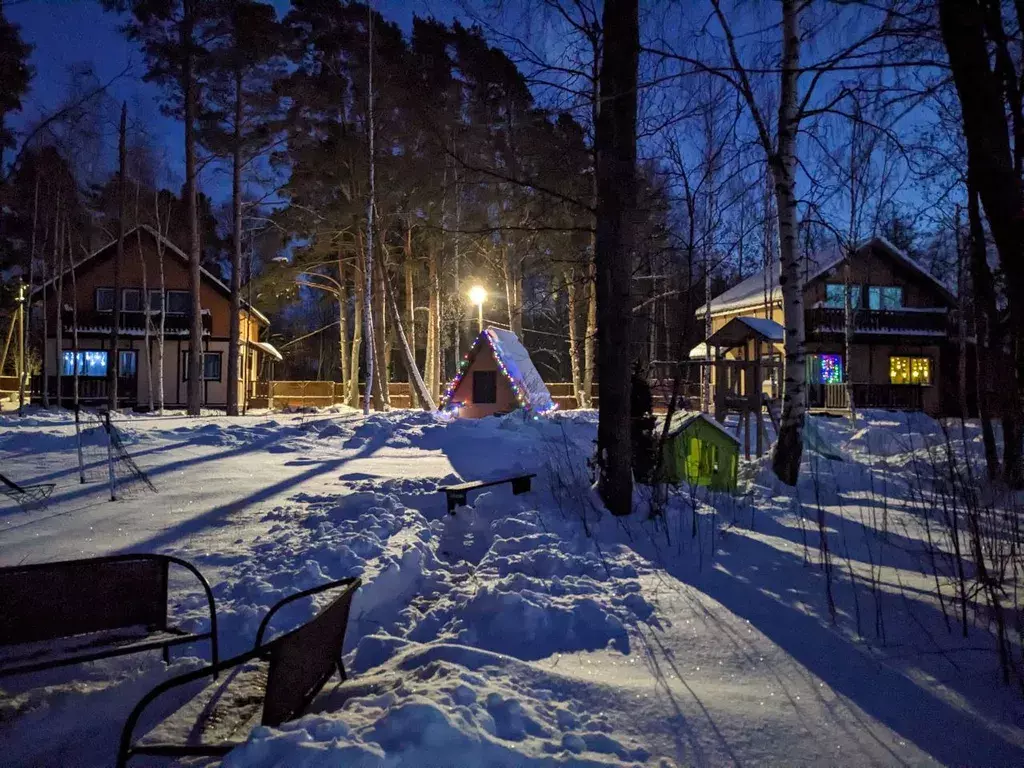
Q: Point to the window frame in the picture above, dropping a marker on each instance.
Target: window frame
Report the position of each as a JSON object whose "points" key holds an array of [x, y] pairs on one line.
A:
{"points": [[910, 370], [149, 302], [880, 289], [206, 355], [494, 399], [856, 295], [96, 299], [124, 299], [167, 302]]}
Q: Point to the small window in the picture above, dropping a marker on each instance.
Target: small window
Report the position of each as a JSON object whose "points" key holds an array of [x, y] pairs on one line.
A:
{"points": [[92, 363], [835, 296], [131, 300], [211, 366], [885, 297], [178, 302], [156, 301], [485, 387], [128, 362], [910, 370], [104, 299]]}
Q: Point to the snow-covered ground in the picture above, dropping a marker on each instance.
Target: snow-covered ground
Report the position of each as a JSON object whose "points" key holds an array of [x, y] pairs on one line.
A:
{"points": [[526, 630]]}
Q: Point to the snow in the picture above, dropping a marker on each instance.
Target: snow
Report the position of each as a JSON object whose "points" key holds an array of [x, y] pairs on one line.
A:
{"points": [[767, 328], [682, 418], [530, 630], [513, 355]]}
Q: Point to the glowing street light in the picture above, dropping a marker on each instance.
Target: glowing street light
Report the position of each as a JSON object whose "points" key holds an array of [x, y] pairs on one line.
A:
{"points": [[478, 295]]}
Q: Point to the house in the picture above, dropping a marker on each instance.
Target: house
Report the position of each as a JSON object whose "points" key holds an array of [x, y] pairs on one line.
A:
{"points": [[86, 295], [901, 320], [496, 376], [699, 451]]}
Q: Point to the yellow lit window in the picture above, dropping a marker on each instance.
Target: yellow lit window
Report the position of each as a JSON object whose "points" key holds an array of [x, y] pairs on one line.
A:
{"points": [[910, 370]]}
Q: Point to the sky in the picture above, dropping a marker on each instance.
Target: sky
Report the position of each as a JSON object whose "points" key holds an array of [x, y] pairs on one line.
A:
{"points": [[67, 33]]}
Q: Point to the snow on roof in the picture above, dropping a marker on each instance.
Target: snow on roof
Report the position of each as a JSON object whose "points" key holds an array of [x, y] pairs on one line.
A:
{"points": [[270, 349], [682, 419], [511, 353], [753, 290], [700, 352], [767, 328]]}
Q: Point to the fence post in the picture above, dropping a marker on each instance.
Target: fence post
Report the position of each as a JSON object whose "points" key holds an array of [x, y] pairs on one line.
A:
{"points": [[78, 441], [110, 453]]}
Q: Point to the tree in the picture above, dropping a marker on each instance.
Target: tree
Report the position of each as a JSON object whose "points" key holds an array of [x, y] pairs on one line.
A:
{"points": [[174, 35], [992, 109], [615, 151], [240, 73], [14, 77]]}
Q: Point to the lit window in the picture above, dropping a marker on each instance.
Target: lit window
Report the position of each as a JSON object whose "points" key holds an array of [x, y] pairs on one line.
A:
{"points": [[910, 370], [128, 361], [131, 300], [104, 299], [831, 369], [835, 296], [91, 363], [885, 297]]}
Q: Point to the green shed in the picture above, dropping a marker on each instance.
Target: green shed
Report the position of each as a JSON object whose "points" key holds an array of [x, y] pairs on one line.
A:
{"points": [[699, 450]]}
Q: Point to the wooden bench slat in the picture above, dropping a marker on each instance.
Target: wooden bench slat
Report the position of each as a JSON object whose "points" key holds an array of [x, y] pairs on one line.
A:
{"points": [[456, 495]]}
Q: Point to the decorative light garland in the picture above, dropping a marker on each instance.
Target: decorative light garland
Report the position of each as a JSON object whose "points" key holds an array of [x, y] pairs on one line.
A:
{"points": [[831, 369], [520, 393]]}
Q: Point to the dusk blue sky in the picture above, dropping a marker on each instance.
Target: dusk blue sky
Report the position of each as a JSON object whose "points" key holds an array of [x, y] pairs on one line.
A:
{"points": [[65, 33]]}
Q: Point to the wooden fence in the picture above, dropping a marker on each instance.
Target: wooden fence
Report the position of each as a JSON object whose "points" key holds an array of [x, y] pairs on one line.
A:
{"points": [[298, 394]]}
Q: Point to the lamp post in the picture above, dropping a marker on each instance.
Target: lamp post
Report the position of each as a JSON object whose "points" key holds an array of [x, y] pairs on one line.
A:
{"points": [[477, 295]]}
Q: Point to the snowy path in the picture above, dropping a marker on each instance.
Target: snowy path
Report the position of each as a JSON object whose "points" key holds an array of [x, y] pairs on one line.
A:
{"points": [[502, 636]]}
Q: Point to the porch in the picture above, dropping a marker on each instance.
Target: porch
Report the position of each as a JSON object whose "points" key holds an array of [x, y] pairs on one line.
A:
{"points": [[835, 397]]}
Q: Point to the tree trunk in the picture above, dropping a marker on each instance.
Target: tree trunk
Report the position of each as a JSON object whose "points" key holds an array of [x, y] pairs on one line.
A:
{"points": [[114, 359], [993, 170], [343, 347], [358, 325], [163, 304], [986, 320], [146, 322], [574, 342], [412, 368], [433, 362], [417, 389], [789, 446], [381, 343], [58, 258], [368, 315], [194, 386], [615, 150], [590, 335], [234, 328]]}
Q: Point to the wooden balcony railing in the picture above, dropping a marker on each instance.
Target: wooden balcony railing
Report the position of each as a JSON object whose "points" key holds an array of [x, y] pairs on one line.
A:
{"points": [[905, 397], [828, 320], [174, 324]]}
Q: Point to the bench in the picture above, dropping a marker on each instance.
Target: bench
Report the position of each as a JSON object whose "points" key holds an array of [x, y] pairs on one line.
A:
{"points": [[456, 494], [70, 612], [269, 685]]}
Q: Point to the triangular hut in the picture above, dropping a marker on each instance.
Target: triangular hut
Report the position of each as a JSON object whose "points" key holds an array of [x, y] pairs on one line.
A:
{"points": [[496, 376]]}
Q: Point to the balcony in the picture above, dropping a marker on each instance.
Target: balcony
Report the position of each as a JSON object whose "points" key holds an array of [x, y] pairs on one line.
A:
{"points": [[133, 323], [829, 321]]}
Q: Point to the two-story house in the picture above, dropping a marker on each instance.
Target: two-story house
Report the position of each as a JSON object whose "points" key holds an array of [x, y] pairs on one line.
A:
{"points": [[84, 296], [901, 331]]}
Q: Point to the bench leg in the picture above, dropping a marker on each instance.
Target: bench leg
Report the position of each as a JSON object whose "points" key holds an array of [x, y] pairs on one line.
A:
{"points": [[520, 485], [167, 654], [341, 670]]}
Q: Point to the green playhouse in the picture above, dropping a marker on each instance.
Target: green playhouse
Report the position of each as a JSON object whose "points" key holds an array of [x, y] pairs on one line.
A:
{"points": [[699, 450]]}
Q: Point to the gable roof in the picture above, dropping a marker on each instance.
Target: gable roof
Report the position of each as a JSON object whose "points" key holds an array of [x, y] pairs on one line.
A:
{"points": [[203, 271], [514, 361], [738, 330], [682, 419], [751, 291]]}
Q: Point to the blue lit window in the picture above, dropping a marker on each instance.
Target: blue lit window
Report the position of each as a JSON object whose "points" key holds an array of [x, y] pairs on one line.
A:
{"points": [[885, 297], [835, 296], [91, 363]]}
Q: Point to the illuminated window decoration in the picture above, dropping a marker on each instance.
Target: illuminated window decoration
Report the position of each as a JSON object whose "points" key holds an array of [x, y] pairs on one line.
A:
{"points": [[910, 370], [91, 363], [515, 365], [831, 369]]}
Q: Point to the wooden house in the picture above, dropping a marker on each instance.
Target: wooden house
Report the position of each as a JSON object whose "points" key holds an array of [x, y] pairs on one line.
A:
{"points": [[496, 376], [84, 296], [902, 348]]}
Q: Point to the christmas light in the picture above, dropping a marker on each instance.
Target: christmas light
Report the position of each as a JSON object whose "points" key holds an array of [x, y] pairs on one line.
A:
{"points": [[831, 369]]}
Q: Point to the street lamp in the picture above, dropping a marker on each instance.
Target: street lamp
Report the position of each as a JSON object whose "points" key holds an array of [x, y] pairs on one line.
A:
{"points": [[477, 295]]}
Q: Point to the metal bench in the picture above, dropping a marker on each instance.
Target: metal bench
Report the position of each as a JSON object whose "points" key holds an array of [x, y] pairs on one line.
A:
{"points": [[57, 614], [269, 685], [456, 494]]}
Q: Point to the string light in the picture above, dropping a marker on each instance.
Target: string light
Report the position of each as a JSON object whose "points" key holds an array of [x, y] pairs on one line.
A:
{"points": [[511, 375], [831, 369]]}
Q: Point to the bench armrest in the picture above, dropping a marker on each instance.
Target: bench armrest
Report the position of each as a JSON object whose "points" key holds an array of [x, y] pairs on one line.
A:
{"points": [[291, 598], [124, 750], [209, 600]]}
